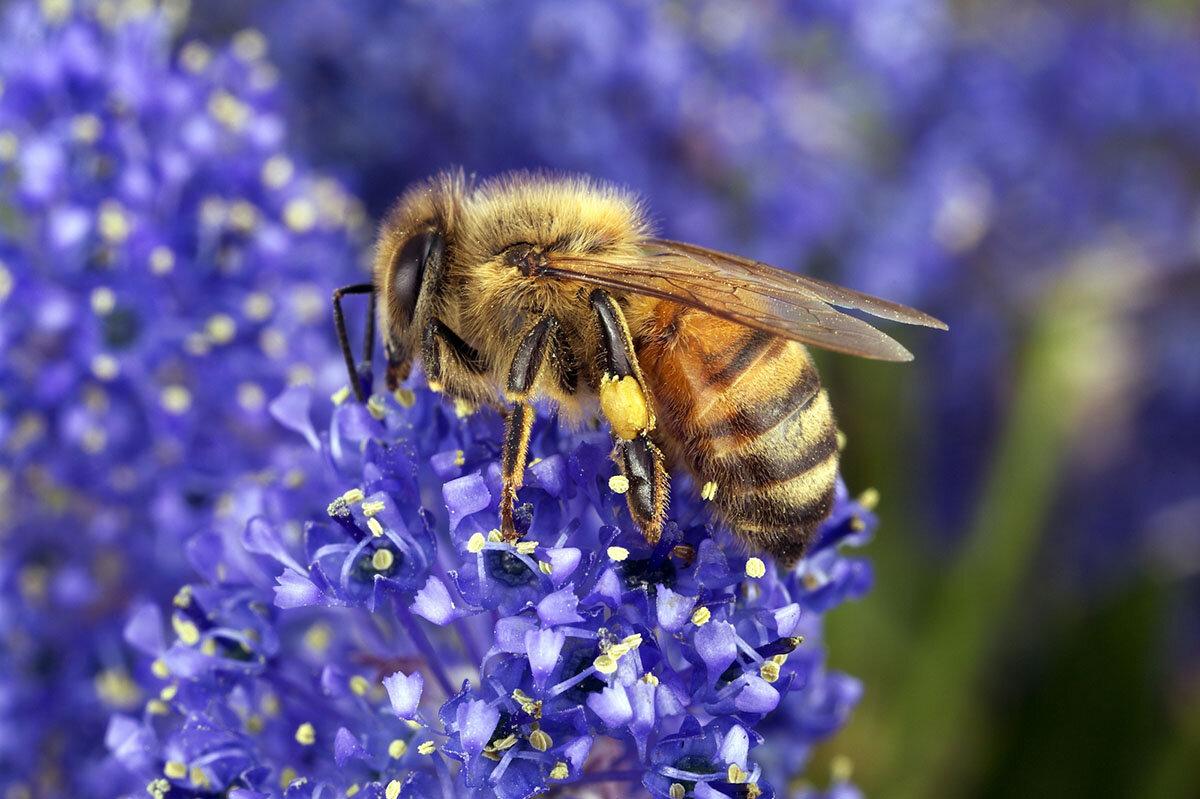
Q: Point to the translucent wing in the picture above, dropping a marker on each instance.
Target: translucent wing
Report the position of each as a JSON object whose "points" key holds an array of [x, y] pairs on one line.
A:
{"points": [[750, 293]]}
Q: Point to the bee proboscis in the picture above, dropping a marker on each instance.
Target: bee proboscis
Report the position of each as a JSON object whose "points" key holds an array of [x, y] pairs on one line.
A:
{"points": [[529, 287]]}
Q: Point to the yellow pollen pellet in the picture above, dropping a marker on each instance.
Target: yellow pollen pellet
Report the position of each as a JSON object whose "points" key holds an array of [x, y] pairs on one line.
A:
{"points": [[103, 300], [187, 631], [382, 560], [618, 553], [560, 771], [476, 543], [677, 791], [427, 748], [605, 664], [359, 684], [175, 770], [397, 748], [624, 405], [353, 495], [869, 498], [105, 366], [545, 568], [769, 671], [392, 790], [540, 741], [701, 616], [371, 508], [709, 491], [755, 568], [375, 527], [341, 395], [305, 734], [176, 399], [618, 483]]}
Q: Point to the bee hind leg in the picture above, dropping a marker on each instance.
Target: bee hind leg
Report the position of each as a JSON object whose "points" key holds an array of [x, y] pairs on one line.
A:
{"points": [[543, 344], [624, 401]]}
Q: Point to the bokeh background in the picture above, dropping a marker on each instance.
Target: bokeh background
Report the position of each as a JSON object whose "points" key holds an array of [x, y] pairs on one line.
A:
{"points": [[1028, 172]]}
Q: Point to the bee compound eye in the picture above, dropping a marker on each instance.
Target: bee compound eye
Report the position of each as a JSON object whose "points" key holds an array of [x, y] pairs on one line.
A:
{"points": [[408, 267]]}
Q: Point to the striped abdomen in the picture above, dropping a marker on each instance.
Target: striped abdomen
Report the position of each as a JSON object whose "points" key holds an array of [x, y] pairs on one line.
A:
{"points": [[744, 410]]}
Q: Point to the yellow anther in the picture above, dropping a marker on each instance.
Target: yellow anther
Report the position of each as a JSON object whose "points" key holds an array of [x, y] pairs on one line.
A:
{"points": [[618, 553], [287, 776], [375, 527], [371, 508], [857, 524], [85, 128], [755, 568], [105, 366], [649, 679], [560, 771], [228, 110], [677, 791], [753, 791], [709, 491], [463, 409], [540, 741], [359, 684], [300, 214], [208, 647], [617, 650], [251, 396], [176, 399], [353, 495], [220, 328], [476, 543], [243, 216], [113, 222], [397, 748], [392, 790], [427, 748], [382, 560], [507, 742], [352, 790], [183, 597], [103, 300], [769, 671], [257, 306], [168, 692], [305, 734], [869, 498], [494, 536], [841, 440], [405, 397], [162, 260], [157, 707], [605, 664], [250, 45], [255, 724], [624, 405], [735, 774], [701, 615], [277, 171], [841, 768], [545, 568], [632, 641], [618, 483], [158, 788], [460, 457], [341, 395], [526, 547], [159, 669], [376, 407], [199, 778], [6, 282], [195, 57], [187, 631], [175, 770]]}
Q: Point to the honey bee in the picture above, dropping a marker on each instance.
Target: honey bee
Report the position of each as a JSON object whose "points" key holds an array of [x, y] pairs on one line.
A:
{"points": [[531, 287]]}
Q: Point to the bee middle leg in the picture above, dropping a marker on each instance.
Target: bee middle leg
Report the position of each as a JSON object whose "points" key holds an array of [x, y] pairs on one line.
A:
{"points": [[624, 401], [545, 343]]}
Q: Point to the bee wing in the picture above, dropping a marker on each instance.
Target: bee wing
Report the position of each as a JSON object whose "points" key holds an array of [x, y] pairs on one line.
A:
{"points": [[749, 293]]}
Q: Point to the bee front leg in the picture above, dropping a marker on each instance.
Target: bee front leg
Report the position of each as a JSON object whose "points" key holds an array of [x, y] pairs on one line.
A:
{"points": [[624, 401], [339, 320], [544, 343]]}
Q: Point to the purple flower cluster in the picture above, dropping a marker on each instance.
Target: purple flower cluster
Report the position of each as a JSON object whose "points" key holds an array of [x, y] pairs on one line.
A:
{"points": [[164, 272], [405, 650]]}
